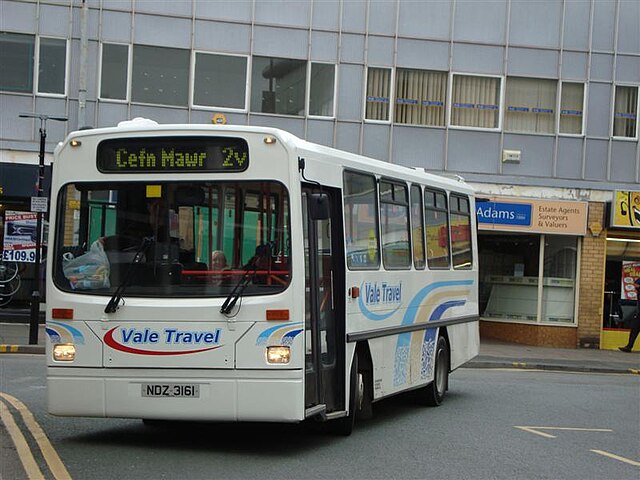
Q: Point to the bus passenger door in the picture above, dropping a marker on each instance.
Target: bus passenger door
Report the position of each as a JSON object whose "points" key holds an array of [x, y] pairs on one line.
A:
{"points": [[324, 305]]}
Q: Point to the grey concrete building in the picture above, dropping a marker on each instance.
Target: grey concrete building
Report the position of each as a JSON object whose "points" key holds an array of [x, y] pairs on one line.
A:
{"points": [[535, 103]]}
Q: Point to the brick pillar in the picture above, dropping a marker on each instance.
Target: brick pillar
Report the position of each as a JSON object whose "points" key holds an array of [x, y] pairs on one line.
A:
{"points": [[592, 265]]}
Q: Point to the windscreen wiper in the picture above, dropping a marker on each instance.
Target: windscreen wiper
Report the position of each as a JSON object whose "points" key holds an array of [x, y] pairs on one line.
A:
{"points": [[114, 302], [235, 294]]}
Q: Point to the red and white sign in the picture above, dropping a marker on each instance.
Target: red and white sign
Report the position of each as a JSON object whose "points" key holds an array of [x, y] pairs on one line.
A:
{"points": [[630, 273], [20, 236]]}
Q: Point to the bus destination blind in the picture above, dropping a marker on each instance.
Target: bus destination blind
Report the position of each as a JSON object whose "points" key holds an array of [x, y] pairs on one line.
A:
{"points": [[173, 154]]}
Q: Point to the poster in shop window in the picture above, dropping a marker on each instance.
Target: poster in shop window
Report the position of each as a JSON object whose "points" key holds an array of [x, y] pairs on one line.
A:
{"points": [[20, 236], [630, 273]]}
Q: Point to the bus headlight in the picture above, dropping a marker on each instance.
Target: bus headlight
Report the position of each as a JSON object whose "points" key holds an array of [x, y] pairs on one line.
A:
{"points": [[278, 354], [64, 352]]}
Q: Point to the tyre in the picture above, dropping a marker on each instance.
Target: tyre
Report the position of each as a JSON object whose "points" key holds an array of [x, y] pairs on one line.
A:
{"points": [[344, 425], [434, 393]]}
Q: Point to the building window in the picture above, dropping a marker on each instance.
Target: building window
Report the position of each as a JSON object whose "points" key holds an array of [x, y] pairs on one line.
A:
{"points": [[52, 66], [378, 94], [559, 275], [530, 105], [420, 97], [417, 227], [394, 225], [16, 62], [114, 71], [475, 101], [437, 222], [321, 91], [571, 108], [278, 85], [220, 81], [361, 221], [160, 75], [625, 114], [460, 232]]}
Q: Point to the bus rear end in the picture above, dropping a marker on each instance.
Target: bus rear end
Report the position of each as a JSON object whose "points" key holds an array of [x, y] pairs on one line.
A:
{"points": [[170, 286]]}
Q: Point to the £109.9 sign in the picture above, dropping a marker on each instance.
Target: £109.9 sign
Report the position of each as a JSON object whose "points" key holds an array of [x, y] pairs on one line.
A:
{"points": [[20, 235]]}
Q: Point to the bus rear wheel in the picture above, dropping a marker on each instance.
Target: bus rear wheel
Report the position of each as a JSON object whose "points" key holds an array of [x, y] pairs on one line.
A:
{"points": [[434, 392]]}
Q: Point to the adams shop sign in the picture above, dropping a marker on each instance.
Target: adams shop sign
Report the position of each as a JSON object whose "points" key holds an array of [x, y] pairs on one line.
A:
{"points": [[536, 216]]}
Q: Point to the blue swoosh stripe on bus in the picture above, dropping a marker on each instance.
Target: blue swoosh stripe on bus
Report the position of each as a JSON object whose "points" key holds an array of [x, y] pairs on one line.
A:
{"points": [[78, 337], [414, 305], [53, 335], [267, 333], [440, 309], [292, 333], [372, 315]]}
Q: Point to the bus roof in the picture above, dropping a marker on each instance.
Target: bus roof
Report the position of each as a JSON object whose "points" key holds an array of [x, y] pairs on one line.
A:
{"points": [[141, 126]]}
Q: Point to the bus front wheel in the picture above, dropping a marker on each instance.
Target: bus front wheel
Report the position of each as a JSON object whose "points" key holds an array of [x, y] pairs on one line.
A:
{"points": [[435, 391], [344, 425]]}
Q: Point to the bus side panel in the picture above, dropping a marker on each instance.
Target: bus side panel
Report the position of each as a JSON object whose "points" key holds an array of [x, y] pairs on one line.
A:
{"points": [[465, 342], [88, 345]]}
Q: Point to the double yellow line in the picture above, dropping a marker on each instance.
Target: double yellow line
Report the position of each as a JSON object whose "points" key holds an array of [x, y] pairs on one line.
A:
{"points": [[57, 468]]}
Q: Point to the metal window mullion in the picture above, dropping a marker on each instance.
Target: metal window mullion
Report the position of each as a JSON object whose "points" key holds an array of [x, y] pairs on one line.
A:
{"points": [[540, 279]]}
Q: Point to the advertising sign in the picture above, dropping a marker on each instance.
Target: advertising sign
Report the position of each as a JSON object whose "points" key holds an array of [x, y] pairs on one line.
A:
{"points": [[630, 273], [625, 209], [535, 216], [20, 236]]}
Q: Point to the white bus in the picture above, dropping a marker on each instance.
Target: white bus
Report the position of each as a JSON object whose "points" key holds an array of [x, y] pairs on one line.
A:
{"points": [[233, 273]]}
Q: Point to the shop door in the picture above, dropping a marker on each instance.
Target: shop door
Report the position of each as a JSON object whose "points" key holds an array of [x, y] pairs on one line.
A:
{"points": [[324, 305]]}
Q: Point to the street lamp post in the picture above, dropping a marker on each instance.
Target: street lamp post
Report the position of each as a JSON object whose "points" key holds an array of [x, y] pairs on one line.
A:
{"points": [[35, 295]]}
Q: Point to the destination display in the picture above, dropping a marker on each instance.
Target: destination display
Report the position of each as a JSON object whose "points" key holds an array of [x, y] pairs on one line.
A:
{"points": [[173, 154]]}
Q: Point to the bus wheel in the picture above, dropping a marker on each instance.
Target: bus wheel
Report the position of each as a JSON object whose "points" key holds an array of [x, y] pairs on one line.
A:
{"points": [[436, 390], [344, 425]]}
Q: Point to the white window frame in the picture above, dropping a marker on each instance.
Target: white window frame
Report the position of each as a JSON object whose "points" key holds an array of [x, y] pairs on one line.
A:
{"points": [[613, 112], [129, 61], [500, 107], [36, 70], [192, 83], [556, 104], [392, 92], [584, 108], [308, 93]]}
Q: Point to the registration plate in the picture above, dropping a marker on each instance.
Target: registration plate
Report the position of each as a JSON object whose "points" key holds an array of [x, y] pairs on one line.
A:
{"points": [[179, 390]]}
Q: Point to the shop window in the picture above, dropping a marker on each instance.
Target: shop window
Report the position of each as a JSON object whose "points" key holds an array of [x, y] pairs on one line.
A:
{"points": [[52, 66], [278, 85], [16, 62], [114, 71], [475, 101], [530, 105], [460, 232], [420, 97], [437, 224], [361, 221], [559, 275], [220, 81], [160, 75], [321, 90], [378, 94], [625, 114], [571, 108], [394, 225], [417, 228]]}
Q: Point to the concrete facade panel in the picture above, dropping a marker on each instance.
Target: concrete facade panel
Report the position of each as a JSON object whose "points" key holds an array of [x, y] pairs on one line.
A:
{"points": [[13, 127], [576, 25], [222, 37], [54, 20], [535, 23], [320, 131], [324, 47], [354, 16], [53, 107], [569, 163], [93, 23], [93, 49], [533, 63], [172, 9], [283, 12], [623, 161], [481, 21], [601, 67], [424, 19], [604, 21], [382, 18], [536, 155], [423, 54], [471, 151], [348, 137], [225, 10], [574, 66], [628, 31], [628, 69], [375, 142], [418, 147], [204, 116], [596, 159], [599, 110], [116, 27], [280, 42], [380, 51], [326, 15], [125, 5], [352, 48], [159, 114], [293, 125], [109, 114], [18, 17], [162, 31], [478, 59], [350, 96]]}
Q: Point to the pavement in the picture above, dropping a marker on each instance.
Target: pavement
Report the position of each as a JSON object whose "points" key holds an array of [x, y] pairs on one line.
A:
{"points": [[14, 338]]}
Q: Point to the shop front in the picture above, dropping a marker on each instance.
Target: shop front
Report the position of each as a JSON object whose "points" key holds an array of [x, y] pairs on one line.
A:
{"points": [[622, 269], [17, 232], [529, 252]]}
